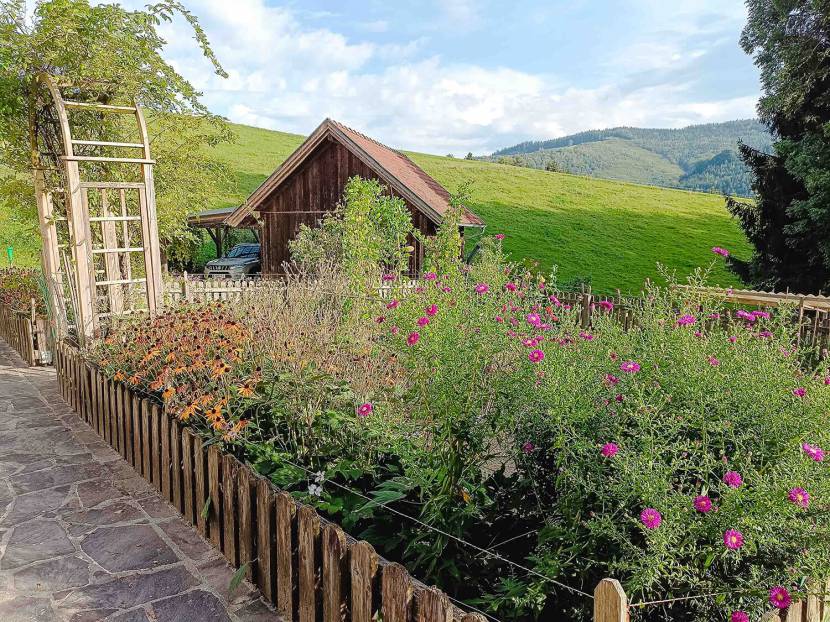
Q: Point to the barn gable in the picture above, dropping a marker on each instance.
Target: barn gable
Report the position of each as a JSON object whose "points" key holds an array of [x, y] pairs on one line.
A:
{"points": [[311, 181]]}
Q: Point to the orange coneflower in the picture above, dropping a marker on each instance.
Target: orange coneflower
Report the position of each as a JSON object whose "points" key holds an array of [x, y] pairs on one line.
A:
{"points": [[168, 393], [246, 389], [170, 357], [220, 368], [134, 379], [119, 376], [157, 383]]}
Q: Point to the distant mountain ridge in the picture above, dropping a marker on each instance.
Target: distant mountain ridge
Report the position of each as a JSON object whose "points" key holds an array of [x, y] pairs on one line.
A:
{"points": [[698, 157]]}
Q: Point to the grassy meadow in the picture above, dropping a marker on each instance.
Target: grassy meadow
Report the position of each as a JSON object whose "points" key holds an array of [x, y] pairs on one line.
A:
{"points": [[610, 232]]}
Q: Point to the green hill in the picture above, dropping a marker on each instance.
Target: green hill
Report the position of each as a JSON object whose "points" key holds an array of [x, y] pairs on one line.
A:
{"points": [[698, 157], [611, 232]]}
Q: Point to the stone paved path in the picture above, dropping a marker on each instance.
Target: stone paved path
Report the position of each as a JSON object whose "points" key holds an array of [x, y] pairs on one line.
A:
{"points": [[82, 537]]}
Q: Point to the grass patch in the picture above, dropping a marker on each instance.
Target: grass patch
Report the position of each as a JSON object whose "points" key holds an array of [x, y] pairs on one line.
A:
{"points": [[611, 232]]}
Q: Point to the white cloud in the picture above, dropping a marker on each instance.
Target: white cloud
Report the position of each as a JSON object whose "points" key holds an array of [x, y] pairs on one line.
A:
{"points": [[286, 75]]}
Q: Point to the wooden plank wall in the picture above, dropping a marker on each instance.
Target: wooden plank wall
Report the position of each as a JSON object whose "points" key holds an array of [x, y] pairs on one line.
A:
{"points": [[305, 566], [312, 190]]}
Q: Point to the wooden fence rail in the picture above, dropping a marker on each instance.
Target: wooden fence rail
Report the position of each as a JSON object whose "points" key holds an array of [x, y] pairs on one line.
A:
{"points": [[26, 333], [306, 566]]}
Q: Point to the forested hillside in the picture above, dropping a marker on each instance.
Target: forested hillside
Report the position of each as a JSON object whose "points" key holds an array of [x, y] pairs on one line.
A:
{"points": [[698, 157]]}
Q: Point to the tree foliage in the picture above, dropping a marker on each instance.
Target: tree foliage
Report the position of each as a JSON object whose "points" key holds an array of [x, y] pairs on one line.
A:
{"points": [[789, 224], [109, 55]]}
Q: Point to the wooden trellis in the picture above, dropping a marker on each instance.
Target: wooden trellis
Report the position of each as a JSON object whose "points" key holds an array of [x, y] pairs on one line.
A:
{"points": [[102, 223]]}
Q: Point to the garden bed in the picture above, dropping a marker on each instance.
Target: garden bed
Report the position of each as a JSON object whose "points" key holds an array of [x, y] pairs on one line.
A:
{"points": [[23, 324]]}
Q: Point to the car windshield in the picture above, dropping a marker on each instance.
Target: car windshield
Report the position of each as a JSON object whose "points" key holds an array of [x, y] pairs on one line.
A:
{"points": [[243, 251]]}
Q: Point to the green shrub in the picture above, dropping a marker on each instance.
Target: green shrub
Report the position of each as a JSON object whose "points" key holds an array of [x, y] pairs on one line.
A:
{"points": [[19, 286]]}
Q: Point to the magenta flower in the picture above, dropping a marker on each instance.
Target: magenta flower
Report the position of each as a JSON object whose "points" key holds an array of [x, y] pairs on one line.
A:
{"points": [[499, 319], [713, 361], [763, 314], [533, 319], [364, 410], [389, 277], [799, 497], [392, 304], [528, 447], [606, 305], [733, 479], [745, 315], [779, 597], [800, 392], [720, 251], [380, 319], [733, 539], [651, 518], [703, 504], [536, 356], [499, 236], [430, 276], [413, 338], [630, 367], [394, 330], [554, 300], [714, 316], [686, 320], [739, 616], [764, 334], [431, 310], [482, 288], [609, 450], [814, 452], [733, 339], [422, 321], [611, 379], [510, 286]]}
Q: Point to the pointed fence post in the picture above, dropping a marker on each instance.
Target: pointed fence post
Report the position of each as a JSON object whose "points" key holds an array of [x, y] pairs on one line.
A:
{"points": [[610, 602]]}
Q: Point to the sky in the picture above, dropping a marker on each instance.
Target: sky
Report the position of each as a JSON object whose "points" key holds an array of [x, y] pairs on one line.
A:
{"points": [[452, 76]]}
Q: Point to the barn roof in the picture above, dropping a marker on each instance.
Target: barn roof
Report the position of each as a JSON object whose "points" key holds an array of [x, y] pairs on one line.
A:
{"points": [[393, 167]]}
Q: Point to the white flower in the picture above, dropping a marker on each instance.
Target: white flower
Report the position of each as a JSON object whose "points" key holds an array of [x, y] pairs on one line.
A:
{"points": [[315, 490], [319, 477]]}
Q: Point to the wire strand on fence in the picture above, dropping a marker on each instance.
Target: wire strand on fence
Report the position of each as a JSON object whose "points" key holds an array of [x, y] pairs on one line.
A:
{"points": [[489, 552]]}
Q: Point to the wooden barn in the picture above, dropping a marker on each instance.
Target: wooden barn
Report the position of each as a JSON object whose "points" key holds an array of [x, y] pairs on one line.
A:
{"points": [[311, 182]]}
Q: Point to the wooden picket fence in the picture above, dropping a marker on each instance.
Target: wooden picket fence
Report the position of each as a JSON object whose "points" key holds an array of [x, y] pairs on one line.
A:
{"points": [[306, 566], [26, 333], [303, 564]]}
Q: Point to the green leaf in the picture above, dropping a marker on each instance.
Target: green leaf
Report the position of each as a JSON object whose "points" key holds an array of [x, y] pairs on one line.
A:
{"points": [[237, 577], [382, 497], [206, 508]]}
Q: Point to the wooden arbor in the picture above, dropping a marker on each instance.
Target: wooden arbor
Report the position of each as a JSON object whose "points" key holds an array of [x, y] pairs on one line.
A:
{"points": [[107, 215]]}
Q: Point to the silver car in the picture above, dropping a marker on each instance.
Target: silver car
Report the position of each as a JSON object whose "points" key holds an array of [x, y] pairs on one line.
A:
{"points": [[241, 261]]}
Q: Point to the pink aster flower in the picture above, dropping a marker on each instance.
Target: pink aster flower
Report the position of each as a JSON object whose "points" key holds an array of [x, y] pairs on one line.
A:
{"points": [[394, 330], [389, 277], [554, 300], [720, 251], [827, 380], [430, 276], [800, 392], [364, 410], [413, 338], [779, 597], [651, 518], [764, 334], [814, 452], [499, 236], [609, 450], [761, 314], [739, 616], [799, 497], [528, 447], [733, 479], [392, 304], [499, 319], [733, 339], [703, 504], [380, 319], [733, 539], [422, 321], [510, 286], [586, 335], [611, 379], [714, 316], [482, 288], [536, 356], [606, 305], [686, 320], [745, 315], [714, 362], [630, 367], [431, 309], [533, 319]]}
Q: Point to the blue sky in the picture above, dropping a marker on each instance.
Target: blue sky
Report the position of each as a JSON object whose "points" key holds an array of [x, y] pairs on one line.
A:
{"points": [[462, 75]]}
